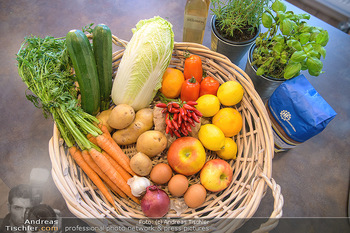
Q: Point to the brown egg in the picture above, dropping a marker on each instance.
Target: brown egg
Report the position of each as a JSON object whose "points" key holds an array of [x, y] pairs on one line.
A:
{"points": [[161, 173], [195, 195], [178, 185]]}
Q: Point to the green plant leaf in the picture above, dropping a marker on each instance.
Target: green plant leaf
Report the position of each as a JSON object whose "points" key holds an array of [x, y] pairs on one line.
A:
{"points": [[291, 70], [260, 71], [279, 6], [322, 38], [278, 47], [304, 37], [266, 20], [298, 56], [286, 27], [278, 38], [294, 44], [314, 66], [320, 49]]}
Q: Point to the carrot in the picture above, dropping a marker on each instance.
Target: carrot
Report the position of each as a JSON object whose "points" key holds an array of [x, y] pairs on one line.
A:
{"points": [[92, 139], [77, 156], [111, 172], [93, 165], [113, 149], [119, 168]]}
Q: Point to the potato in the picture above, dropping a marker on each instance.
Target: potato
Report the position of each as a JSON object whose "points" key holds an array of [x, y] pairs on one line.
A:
{"points": [[121, 116], [143, 122], [151, 143], [103, 118], [141, 164]]}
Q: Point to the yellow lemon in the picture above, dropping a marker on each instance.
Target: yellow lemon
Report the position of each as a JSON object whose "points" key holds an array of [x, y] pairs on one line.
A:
{"points": [[229, 120], [229, 151], [208, 105], [230, 93], [211, 137]]}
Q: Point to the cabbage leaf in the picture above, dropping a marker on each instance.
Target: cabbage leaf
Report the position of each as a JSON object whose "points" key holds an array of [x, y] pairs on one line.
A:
{"points": [[143, 64]]}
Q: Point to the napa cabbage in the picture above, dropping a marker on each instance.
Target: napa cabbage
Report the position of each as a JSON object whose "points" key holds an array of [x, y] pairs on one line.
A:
{"points": [[145, 59]]}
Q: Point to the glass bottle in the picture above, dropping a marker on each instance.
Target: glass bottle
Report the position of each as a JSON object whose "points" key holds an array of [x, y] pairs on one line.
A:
{"points": [[195, 20]]}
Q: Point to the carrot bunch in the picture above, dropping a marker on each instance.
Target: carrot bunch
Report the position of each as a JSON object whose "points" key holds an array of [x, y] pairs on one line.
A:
{"points": [[44, 66]]}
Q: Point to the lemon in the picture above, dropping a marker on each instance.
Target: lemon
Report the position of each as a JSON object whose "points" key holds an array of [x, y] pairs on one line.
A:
{"points": [[230, 93], [211, 137], [229, 151], [229, 120], [208, 105]]}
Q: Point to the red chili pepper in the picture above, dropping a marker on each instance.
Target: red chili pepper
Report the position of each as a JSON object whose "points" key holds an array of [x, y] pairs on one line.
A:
{"points": [[198, 113], [184, 131], [171, 132], [176, 115], [175, 105], [190, 90], [177, 134], [189, 107], [174, 110], [195, 118], [174, 123], [170, 107], [161, 105], [209, 85], [164, 110], [192, 103], [179, 119], [191, 122], [167, 129]]}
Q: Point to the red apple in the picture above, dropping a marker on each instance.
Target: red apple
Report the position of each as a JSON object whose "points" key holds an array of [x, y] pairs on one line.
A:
{"points": [[216, 175], [186, 156]]}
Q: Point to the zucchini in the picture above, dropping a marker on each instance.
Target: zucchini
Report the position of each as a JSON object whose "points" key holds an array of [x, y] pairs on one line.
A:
{"points": [[102, 46], [84, 64]]}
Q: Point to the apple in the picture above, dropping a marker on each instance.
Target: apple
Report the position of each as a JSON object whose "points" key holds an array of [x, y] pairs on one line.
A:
{"points": [[216, 175], [186, 156]]}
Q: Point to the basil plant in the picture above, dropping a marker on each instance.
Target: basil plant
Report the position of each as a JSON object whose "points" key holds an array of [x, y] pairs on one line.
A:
{"points": [[289, 45]]}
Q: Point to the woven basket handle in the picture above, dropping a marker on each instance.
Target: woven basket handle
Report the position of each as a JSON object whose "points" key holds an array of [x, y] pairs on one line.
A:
{"points": [[278, 204]]}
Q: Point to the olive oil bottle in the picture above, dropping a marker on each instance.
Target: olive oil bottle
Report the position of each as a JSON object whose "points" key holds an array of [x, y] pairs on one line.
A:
{"points": [[195, 19]]}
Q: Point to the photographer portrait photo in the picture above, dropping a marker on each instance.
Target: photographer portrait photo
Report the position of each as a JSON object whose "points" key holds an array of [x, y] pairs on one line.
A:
{"points": [[27, 214]]}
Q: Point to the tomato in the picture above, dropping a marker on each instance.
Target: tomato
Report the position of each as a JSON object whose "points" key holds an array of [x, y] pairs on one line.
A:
{"points": [[190, 90], [209, 85], [193, 68]]}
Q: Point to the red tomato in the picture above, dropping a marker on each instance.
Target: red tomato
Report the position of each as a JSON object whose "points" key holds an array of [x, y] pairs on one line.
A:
{"points": [[190, 90], [209, 85], [193, 68]]}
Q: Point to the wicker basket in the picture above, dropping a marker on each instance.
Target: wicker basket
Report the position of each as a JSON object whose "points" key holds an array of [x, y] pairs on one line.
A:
{"points": [[252, 168]]}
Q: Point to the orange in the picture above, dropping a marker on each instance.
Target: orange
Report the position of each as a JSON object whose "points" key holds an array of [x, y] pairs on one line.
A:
{"points": [[229, 120], [172, 83]]}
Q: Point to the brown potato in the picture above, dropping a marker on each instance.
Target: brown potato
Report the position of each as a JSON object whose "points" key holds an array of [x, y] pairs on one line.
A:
{"points": [[121, 116], [151, 143], [143, 122], [141, 164]]}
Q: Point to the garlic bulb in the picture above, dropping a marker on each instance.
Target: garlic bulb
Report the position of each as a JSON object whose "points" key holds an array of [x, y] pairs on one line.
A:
{"points": [[138, 185]]}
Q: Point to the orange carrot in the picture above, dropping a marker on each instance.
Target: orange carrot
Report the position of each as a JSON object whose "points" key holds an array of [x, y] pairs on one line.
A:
{"points": [[77, 156], [113, 149], [119, 168], [111, 172], [92, 139], [93, 165]]}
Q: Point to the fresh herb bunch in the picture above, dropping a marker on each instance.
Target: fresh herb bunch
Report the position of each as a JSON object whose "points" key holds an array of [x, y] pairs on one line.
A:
{"points": [[238, 15], [289, 45]]}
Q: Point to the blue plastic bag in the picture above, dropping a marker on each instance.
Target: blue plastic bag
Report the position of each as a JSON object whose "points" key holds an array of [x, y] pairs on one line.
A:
{"points": [[297, 112]]}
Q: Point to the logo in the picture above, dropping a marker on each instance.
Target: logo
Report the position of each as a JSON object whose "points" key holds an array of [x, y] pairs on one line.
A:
{"points": [[286, 116]]}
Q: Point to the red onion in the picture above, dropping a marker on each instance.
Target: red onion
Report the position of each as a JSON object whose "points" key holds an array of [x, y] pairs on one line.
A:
{"points": [[155, 203]]}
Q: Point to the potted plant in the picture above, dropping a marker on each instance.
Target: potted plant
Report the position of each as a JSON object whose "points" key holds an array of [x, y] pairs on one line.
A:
{"points": [[289, 46], [235, 24]]}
